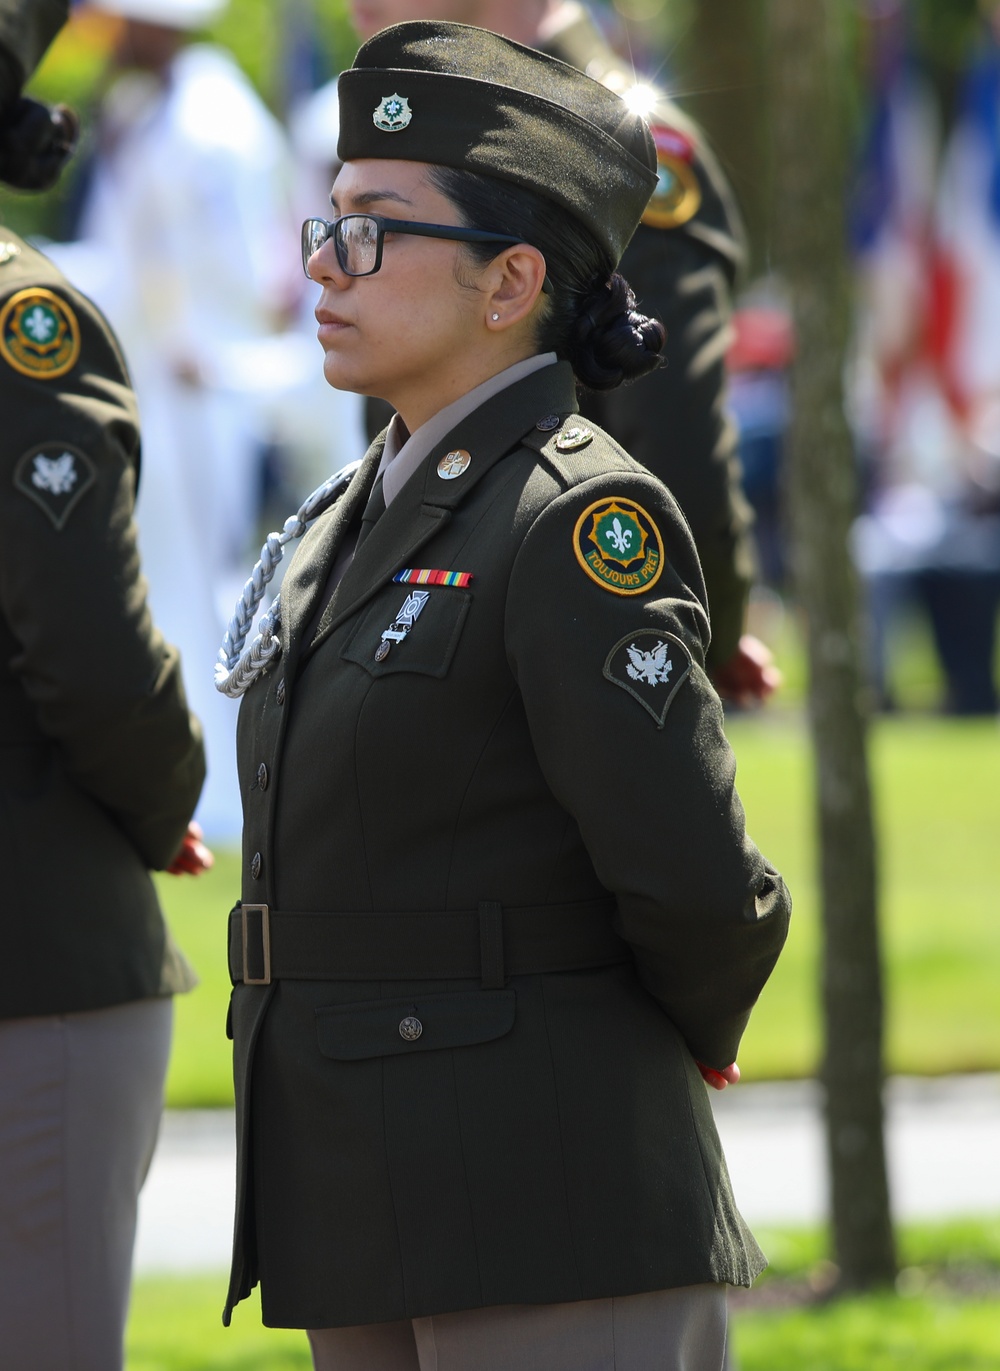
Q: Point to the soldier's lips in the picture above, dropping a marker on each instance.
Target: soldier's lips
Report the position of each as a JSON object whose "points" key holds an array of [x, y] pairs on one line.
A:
{"points": [[330, 325]]}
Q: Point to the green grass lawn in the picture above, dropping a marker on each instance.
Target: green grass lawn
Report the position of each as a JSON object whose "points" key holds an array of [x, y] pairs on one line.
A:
{"points": [[937, 788], [929, 1326]]}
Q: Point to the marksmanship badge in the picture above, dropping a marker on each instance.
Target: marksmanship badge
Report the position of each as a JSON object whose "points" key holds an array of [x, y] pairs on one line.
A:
{"points": [[39, 334], [55, 476], [619, 546], [650, 665], [393, 113]]}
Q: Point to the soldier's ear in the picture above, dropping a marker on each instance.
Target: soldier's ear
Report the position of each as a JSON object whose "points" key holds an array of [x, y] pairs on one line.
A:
{"points": [[512, 286]]}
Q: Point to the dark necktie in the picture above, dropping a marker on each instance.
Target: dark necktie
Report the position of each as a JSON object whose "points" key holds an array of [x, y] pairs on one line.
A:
{"points": [[373, 509]]}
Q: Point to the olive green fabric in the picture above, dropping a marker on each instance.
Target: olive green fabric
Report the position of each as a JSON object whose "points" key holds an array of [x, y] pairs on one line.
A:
{"points": [[482, 103], [501, 753], [102, 763], [27, 27], [674, 421]]}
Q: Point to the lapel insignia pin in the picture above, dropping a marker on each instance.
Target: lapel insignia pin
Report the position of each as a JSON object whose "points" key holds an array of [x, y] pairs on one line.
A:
{"points": [[8, 251], [392, 114], [408, 614], [572, 439], [452, 464]]}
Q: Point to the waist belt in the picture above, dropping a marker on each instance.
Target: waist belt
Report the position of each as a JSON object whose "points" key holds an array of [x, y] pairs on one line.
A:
{"points": [[490, 942]]}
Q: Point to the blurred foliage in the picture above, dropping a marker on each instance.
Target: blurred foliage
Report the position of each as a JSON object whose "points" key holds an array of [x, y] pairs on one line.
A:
{"points": [[286, 47]]}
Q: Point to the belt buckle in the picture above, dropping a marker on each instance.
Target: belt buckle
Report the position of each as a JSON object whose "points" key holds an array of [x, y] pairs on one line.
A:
{"points": [[265, 934]]}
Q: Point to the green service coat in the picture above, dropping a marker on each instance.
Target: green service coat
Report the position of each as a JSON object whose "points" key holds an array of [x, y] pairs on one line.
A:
{"points": [[102, 762], [547, 1137]]}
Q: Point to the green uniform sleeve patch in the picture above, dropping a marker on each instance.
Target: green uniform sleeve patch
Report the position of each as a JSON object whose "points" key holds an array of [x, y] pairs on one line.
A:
{"points": [[39, 334], [619, 546], [651, 666], [55, 477]]}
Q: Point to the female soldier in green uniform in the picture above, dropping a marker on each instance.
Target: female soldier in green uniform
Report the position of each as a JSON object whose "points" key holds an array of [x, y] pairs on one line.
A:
{"points": [[498, 899]]}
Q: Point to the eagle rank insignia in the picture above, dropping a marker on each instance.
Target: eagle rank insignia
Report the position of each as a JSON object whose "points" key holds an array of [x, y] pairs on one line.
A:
{"points": [[650, 665]]}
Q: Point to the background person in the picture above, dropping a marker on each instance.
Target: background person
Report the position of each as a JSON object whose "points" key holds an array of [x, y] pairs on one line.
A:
{"points": [[102, 765], [499, 898], [184, 227]]}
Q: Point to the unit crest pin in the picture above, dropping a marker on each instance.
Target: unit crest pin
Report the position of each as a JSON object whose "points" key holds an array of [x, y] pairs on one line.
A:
{"points": [[392, 113]]}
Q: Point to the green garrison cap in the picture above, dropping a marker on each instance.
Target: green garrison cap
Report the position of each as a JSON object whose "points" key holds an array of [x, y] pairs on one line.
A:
{"points": [[463, 97], [27, 27]]}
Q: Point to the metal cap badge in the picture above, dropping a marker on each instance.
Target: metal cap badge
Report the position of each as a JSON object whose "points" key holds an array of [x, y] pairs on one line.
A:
{"points": [[392, 114]]}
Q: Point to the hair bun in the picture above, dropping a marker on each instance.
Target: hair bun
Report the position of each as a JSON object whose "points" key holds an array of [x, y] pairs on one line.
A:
{"points": [[612, 341], [35, 143]]}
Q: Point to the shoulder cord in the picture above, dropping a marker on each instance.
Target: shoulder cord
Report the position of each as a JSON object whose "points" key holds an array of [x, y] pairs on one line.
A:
{"points": [[236, 669]]}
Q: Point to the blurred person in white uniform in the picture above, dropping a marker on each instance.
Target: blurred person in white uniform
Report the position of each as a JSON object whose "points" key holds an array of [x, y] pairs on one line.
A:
{"points": [[188, 223]]}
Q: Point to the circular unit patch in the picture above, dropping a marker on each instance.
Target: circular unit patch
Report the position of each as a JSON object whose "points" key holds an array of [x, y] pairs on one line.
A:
{"points": [[677, 196], [39, 334], [619, 546]]}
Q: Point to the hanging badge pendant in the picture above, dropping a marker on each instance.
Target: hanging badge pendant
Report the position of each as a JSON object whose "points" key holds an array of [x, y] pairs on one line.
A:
{"points": [[403, 622]]}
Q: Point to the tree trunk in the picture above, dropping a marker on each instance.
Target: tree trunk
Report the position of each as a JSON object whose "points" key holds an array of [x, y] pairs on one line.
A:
{"points": [[809, 120], [723, 81]]}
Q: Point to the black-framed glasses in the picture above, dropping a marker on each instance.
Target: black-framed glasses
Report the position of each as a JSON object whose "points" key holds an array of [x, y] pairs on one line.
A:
{"points": [[358, 239]]}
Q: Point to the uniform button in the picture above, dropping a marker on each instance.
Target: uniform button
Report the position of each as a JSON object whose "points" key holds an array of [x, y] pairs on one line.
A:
{"points": [[262, 776], [410, 1029], [255, 865], [281, 691]]}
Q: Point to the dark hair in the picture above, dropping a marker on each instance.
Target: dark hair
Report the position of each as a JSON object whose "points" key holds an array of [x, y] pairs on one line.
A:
{"points": [[35, 142], [591, 319]]}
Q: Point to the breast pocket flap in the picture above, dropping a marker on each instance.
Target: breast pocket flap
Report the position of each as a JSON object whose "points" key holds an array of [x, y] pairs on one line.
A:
{"points": [[386, 1028], [425, 645]]}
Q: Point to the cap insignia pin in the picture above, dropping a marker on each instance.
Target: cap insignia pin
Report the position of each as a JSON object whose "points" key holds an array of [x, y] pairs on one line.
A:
{"points": [[392, 114], [452, 464]]}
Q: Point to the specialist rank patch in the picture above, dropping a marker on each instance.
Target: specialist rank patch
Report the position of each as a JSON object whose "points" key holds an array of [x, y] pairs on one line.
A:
{"points": [[619, 546], [650, 665], [39, 334]]}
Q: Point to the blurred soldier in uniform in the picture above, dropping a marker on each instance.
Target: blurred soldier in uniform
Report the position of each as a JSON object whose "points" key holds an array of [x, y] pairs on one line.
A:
{"points": [[102, 766], [681, 263], [187, 219]]}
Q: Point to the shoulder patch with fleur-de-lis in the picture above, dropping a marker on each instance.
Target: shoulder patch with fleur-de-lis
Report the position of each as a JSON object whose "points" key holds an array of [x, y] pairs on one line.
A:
{"points": [[619, 546], [55, 477], [39, 334]]}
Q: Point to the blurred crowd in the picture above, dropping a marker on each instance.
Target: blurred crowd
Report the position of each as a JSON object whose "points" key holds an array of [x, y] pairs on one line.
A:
{"points": [[183, 224], [923, 377]]}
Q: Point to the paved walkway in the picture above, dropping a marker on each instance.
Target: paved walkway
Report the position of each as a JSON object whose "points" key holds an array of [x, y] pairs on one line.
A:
{"points": [[943, 1140]]}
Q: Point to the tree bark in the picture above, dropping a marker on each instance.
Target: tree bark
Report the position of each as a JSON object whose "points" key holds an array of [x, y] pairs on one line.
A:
{"points": [[723, 84], [809, 121]]}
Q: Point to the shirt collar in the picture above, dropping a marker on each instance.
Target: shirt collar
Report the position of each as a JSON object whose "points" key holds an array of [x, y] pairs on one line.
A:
{"points": [[404, 452]]}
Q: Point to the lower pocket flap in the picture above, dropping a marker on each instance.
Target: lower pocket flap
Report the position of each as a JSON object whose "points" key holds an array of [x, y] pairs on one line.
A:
{"points": [[381, 1028]]}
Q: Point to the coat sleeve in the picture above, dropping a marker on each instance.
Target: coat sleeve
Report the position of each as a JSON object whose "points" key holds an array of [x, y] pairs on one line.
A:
{"points": [[96, 678], [640, 760], [675, 421]]}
